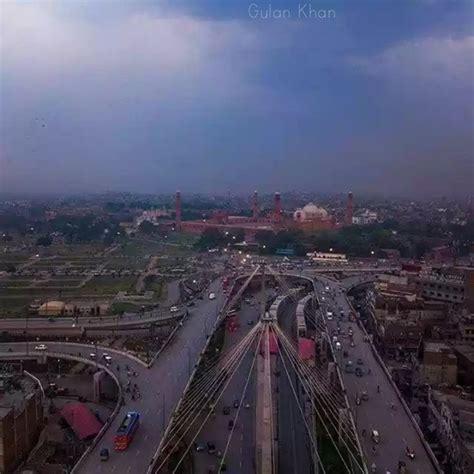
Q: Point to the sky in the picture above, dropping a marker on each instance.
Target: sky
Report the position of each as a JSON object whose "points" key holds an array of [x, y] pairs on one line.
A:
{"points": [[213, 96]]}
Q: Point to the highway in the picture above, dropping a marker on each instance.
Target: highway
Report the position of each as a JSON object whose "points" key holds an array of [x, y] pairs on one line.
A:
{"points": [[394, 425], [161, 387], [293, 442], [241, 453]]}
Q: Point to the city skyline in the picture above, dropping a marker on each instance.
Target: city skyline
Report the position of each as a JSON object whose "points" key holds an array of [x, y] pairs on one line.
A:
{"points": [[201, 97]]}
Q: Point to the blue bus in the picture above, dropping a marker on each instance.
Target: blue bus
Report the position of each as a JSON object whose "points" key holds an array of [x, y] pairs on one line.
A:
{"points": [[126, 430]]}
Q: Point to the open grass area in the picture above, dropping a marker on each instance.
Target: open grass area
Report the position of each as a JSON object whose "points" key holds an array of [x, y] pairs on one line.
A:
{"points": [[126, 263], [104, 285], [57, 283], [120, 307], [14, 307], [15, 283]]}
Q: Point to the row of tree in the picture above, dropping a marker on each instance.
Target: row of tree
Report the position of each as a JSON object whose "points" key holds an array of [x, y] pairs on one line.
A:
{"points": [[355, 241]]}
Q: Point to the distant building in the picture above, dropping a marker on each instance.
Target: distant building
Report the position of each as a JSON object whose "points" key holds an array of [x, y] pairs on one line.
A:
{"points": [[398, 316], [442, 288], [365, 217], [452, 421], [329, 257], [313, 218], [439, 364], [87, 307], [152, 215], [465, 356], [466, 328], [52, 308]]}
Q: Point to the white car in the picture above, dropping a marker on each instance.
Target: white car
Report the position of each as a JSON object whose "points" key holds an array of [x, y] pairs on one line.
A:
{"points": [[338, 346], [212, 296], [41, 347], [174, 309]]}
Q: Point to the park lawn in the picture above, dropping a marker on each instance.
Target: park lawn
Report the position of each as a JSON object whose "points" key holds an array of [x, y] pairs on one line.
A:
{"points": [[14, 307], [103, 285]]}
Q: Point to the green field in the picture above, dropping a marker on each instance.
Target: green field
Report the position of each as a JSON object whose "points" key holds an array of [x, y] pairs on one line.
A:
{"points": [[106, 285]]}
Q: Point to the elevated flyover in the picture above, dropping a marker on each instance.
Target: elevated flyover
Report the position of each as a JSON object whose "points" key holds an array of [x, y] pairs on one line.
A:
{"points": [[73, 327]]}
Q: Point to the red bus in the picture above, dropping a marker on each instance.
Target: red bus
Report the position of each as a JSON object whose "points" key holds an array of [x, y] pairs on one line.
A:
{"points": [[126, 430]]}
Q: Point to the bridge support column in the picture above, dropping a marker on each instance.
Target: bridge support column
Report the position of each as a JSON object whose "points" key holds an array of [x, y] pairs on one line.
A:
{"points": [[264, 410], [97, 381], [332, 375]]}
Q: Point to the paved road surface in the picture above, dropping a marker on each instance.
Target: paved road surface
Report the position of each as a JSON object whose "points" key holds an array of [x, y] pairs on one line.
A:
{"points": [[395, 427], [241, 454], [161, 387], [293, 442]]}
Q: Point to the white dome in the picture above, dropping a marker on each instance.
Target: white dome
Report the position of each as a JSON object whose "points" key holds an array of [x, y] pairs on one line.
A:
{"points": [[312, 211]]}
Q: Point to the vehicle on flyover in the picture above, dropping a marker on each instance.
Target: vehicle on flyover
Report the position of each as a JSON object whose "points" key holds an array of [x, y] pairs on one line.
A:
{"points": [[126, 430]]}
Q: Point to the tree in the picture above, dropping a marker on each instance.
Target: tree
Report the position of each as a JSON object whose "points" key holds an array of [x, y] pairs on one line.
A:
{"points": [[210, 238], [44, 240], [108, 240], [146, 227]]}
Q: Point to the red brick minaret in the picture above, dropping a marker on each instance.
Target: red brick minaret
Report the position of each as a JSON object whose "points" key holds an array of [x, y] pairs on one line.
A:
{"points": [[277, 211], [255, 206], [349, 209], [178, 210]]}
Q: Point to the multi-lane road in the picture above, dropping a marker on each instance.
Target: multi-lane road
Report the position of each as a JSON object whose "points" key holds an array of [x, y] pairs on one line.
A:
{"points": [[383, 411], [240, 456], [293, 441], [161, 386]]}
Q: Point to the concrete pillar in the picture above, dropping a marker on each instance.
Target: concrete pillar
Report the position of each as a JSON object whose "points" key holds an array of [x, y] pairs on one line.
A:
{"points": [[332, 375], [97, 380]]}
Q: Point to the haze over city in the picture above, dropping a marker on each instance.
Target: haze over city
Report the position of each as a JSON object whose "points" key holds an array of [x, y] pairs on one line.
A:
{"points": [[199, 96], [236, 237]]}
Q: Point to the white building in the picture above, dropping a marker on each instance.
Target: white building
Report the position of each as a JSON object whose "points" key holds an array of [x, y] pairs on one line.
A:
{"points": [[365, 217]]}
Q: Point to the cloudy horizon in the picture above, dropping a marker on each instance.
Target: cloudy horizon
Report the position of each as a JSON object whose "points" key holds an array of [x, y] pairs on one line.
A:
{"points": [[198, 96]]}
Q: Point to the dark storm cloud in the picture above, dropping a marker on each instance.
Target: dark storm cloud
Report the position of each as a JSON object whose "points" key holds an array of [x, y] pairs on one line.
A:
{"points": [[194, 95]]}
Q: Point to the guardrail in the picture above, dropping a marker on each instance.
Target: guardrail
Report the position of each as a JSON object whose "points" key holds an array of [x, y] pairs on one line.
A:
{"points": [[167, 341]]}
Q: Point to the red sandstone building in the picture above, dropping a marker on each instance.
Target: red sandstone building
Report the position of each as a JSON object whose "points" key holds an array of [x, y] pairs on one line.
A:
{"points": [[310, 218]]}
